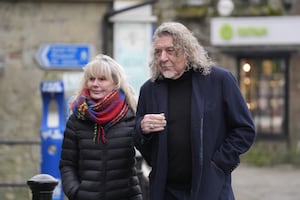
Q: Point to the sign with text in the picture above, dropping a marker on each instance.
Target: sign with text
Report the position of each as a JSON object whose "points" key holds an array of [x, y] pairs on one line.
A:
{"points": [[249, 31], [64, 56]]}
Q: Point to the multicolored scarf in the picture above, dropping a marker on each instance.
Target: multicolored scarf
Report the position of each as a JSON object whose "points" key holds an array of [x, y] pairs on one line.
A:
{"points": [[104, 113]]}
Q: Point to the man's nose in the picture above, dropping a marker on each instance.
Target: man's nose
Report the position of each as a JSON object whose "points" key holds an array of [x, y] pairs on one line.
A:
{"points": [[163, 56]]}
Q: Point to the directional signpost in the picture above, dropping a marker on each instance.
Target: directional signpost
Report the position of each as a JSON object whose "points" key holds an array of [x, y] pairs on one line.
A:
{"points": [[64, 56]]}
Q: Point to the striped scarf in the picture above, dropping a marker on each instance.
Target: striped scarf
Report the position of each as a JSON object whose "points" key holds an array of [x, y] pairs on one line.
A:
{"points": [[104, 113]]}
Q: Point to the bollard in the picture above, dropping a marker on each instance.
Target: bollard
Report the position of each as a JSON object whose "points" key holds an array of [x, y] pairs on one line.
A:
{"points": [[42, 186]]}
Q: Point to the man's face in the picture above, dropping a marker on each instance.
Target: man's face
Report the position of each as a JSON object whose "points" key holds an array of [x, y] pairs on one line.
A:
{"points": [[171, 62]]}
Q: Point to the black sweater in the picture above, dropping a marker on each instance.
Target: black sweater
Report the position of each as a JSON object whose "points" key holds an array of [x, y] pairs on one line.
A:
{"points": [[179, 144]]}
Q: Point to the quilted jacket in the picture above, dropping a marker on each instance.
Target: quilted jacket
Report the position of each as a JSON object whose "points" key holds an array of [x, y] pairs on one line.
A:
{"points": [[103, 171]]}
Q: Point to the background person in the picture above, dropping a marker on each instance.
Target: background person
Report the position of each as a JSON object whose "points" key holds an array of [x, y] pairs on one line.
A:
{"points": [[192, 120], [98, 155]]}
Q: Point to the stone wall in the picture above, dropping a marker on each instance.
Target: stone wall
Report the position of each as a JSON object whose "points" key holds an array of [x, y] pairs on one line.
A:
{"points": [[294, 103], [24, 27]]}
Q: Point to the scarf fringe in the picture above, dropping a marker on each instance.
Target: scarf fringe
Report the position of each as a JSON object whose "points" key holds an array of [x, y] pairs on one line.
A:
{"points": [[99, 134]]}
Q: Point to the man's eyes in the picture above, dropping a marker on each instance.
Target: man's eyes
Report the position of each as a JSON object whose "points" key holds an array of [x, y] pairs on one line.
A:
{"points": [[170, 50], [167, 50]]}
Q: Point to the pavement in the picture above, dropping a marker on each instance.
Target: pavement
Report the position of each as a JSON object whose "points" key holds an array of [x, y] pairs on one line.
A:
{"points": [[249, 182], [266, 183]]}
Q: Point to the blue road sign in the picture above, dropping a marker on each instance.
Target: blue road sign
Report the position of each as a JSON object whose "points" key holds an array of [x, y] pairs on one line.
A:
{"points": [[64, 56]]}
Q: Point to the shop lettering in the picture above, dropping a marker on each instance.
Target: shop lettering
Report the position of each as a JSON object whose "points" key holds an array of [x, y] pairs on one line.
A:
{"points": [[252, 31], [227, 31]]}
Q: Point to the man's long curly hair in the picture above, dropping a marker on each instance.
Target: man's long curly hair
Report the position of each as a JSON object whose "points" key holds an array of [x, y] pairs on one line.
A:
{"points": [[183, 40]]}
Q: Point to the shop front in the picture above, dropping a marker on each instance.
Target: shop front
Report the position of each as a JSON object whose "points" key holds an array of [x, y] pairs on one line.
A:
{"points": [[262, 48]]}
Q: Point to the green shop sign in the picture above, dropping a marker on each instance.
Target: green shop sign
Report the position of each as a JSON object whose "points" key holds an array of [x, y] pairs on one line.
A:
{"points": [[227, 31]]}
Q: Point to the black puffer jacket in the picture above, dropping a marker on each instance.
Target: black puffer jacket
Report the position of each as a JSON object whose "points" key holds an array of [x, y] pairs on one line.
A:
{"points": [[101, 171]]}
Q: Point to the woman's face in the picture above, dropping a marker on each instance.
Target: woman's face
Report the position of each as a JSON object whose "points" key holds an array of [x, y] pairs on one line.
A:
{"points": [[99, 87]]}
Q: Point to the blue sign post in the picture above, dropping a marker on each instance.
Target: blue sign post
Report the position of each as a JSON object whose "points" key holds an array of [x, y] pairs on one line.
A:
{"points": [[64, 56], [52, 133]]}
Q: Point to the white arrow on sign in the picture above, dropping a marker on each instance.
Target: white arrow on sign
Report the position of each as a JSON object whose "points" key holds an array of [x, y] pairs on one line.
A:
{"points": [[42, 56]]}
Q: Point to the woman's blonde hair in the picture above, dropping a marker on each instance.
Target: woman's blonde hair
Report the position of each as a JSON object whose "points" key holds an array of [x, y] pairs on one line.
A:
{"points": [[103, 65]]}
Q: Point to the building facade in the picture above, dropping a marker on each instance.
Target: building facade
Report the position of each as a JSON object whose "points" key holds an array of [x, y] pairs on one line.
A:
{"points": [[258, 42], [268, 74]]}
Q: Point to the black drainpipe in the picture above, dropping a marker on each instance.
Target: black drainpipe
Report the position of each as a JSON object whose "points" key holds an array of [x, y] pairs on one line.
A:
{"points": [[105, 22]]}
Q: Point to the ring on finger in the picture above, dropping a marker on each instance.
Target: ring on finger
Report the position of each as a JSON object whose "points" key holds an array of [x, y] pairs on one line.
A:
{"points": [[151, 126]]}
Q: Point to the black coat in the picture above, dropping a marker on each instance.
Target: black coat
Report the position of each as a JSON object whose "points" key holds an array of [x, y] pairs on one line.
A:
{"points": [[101, 171], [221, 130]]}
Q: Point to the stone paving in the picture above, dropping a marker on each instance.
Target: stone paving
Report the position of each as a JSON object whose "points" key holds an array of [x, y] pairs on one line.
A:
{"points": [[266, 183]]}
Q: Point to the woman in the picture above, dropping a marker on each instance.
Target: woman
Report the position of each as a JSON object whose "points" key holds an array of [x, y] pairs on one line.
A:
{"points": [[98, 155]]}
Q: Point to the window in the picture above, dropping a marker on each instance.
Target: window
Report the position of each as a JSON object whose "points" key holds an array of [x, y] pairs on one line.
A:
{"points": [[263, 84]]}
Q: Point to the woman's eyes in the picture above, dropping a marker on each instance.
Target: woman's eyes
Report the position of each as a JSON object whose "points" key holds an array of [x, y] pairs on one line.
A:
{"points": [[99, 78]]}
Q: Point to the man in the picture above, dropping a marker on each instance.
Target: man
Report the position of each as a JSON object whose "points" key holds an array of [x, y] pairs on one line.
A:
{"points": [[192, 120]]}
